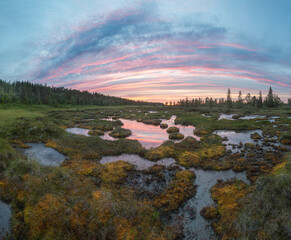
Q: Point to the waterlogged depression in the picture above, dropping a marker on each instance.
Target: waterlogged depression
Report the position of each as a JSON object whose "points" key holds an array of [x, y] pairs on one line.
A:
{"points": [[237, 137], [139, 162], [5, 215], [44, 155], [153, 136], [188, 216], [194, 225], [78, 131], [149, 136]]}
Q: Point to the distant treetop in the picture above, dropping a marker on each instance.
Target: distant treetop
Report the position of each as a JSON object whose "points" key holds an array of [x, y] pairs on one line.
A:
{"points": [[32, 93]]}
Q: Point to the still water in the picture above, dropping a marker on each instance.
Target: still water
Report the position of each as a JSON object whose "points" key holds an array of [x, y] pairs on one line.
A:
{"points": [[5, 215], [139, 162], [195, 226], [148, 135], [44, 155]]}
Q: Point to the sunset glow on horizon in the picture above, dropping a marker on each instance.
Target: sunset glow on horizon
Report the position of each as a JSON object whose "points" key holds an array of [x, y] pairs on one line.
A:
{"points": [[149, 50]]}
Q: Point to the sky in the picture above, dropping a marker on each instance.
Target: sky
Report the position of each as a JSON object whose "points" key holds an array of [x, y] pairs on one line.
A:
{"points": [[149, 50]]}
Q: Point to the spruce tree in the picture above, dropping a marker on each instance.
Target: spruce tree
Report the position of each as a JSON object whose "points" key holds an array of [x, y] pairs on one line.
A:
{"points": [[248, 98], [260, 100], [228, 100], [270, 98], [239, 100]]}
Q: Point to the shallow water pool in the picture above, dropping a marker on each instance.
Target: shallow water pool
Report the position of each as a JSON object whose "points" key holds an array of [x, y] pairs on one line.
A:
{"points": [[44, 155], [139, 162], [251, 117], [5, 216], [194, 225], [237, 137], [78, 131], [153, 136], [226, 116]]}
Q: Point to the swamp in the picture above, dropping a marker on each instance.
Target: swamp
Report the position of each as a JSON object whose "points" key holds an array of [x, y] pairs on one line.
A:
{"points": [[145, 120], [144, 172]]}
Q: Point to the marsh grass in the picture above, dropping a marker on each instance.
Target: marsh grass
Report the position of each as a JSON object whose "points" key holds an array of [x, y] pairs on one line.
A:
{"points": [[265, 212], [83, 199]]}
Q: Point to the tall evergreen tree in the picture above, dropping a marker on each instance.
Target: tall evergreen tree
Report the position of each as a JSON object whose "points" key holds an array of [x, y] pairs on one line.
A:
{"points": [[228, 100], [270, 98], [254, 102], [260, 100], [240, 100], [248, 98], [277, 100], [211, 102]]}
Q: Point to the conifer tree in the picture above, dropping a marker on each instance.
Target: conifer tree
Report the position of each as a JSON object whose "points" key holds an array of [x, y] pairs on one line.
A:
{"points": [[270, 98], [228, 100], [260, 100], [240, 100]]}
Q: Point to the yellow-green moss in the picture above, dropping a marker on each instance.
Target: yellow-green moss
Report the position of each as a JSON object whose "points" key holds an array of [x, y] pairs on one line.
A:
{"points": [[286, 141], [96, 132], [239, 165], [160, 152], [250, 145], [115, 172], [213, 152], [209, 212], [163, 125], [125, 230], [84, 168], [173, 130], [201, 131], [176, 136], [185, 175], [256, 136], [155, 122], [228, 195], [120, 133], [181, 188], [189, 159]]}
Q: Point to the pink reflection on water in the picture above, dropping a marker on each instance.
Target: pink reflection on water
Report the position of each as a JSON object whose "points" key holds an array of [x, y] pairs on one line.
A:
{"points": [[153, 136]]}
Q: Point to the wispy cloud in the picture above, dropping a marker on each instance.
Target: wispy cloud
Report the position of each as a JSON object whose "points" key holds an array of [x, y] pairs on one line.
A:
{"points": [[136, 50]]}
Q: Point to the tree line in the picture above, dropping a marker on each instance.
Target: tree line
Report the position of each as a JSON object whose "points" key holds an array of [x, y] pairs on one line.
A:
{"points": [[271, 100], [33, 93]]}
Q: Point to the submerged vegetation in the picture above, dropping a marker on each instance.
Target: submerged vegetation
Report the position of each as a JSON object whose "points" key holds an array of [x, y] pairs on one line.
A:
{"points": [[84, 199]]}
